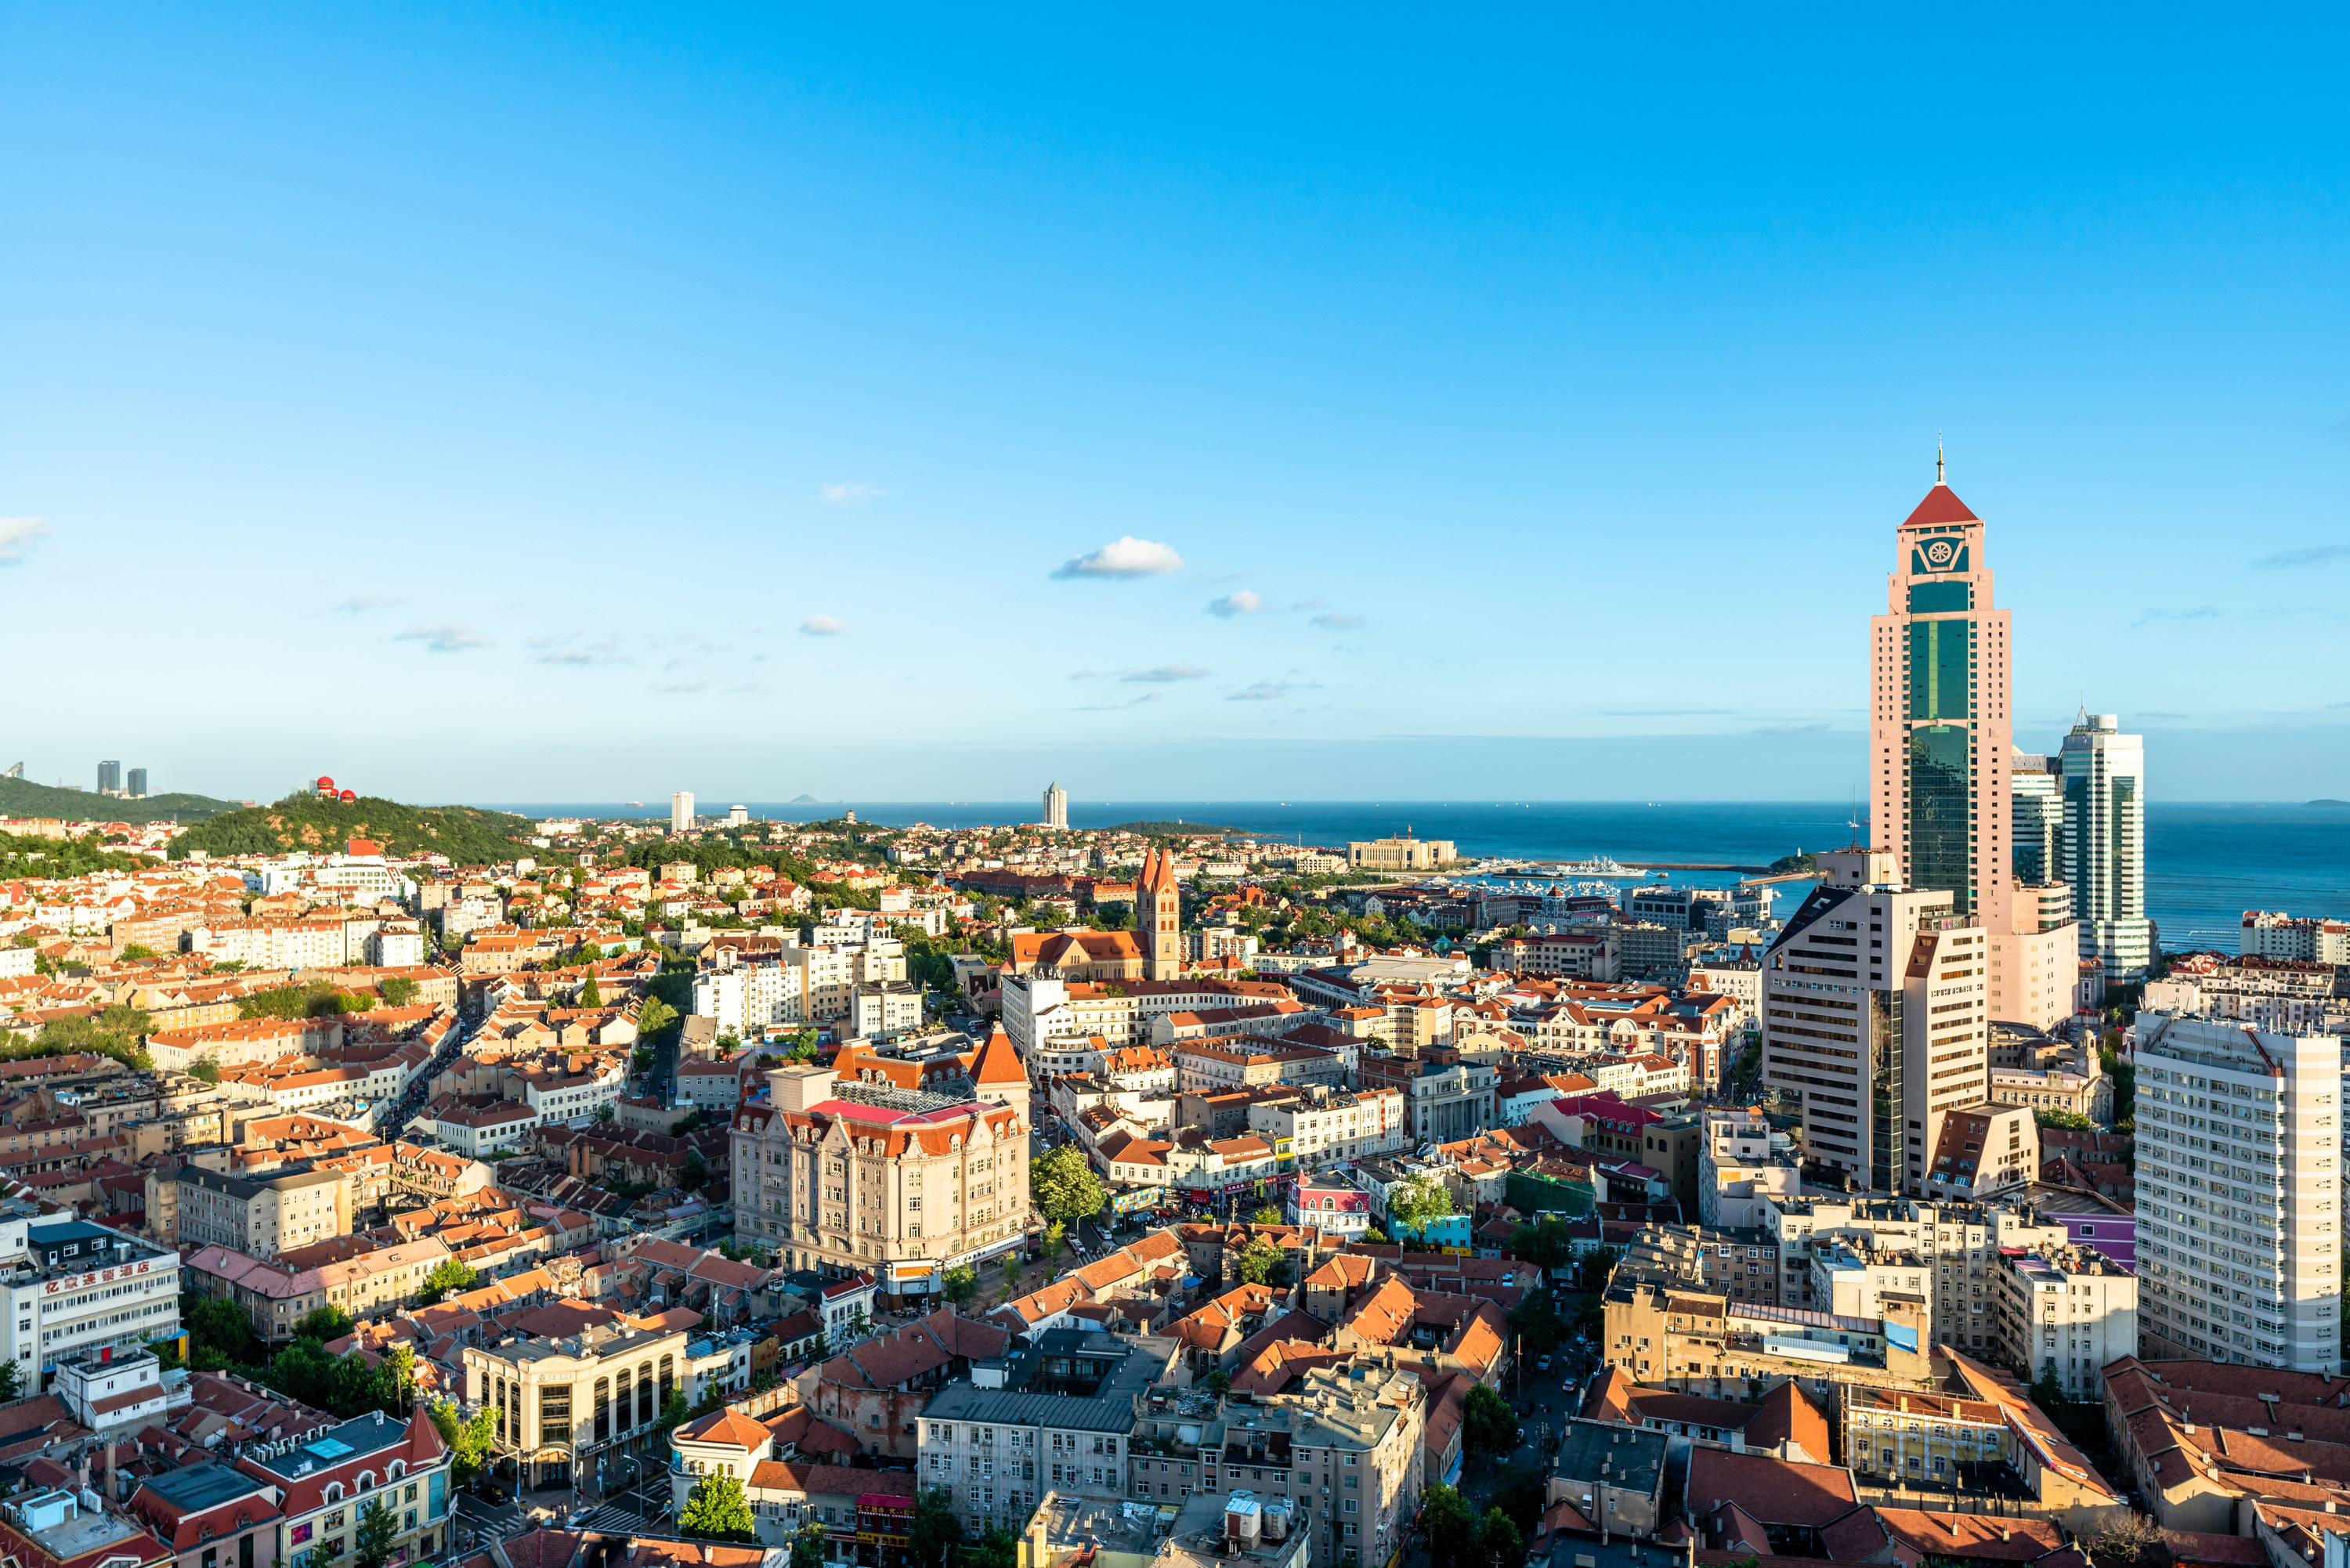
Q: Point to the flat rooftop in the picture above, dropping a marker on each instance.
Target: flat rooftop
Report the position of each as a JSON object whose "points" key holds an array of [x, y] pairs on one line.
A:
{"points": [[200, 1486], [1635, 1457], [365, 1435]]}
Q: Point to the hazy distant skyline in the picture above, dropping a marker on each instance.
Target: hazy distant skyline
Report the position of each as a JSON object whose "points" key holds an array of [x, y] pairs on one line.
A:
{"points": [[925, 406]]}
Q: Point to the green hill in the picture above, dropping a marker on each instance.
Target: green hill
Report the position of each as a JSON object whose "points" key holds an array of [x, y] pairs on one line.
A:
{"points": [[23, 797], [465, 834]]}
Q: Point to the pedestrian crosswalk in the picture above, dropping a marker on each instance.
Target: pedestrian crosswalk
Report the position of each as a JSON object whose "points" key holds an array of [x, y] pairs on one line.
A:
{"points": [[611, 1517]]}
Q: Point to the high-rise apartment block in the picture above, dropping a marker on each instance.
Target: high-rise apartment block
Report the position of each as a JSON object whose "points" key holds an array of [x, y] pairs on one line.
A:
{"points": [[2267, 934], [110, 778], [681, 811], [1056, 806], [1876, 1014], [2105, 843], [138, 790], [2239, 1194]]}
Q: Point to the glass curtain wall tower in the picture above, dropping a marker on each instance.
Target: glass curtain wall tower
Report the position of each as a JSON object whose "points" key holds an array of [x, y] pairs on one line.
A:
{"points": [[1940, 731], [2105, 843]]}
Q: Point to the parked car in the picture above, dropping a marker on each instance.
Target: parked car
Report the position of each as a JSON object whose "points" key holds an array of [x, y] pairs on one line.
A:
{"points": [[1543, 1364]]}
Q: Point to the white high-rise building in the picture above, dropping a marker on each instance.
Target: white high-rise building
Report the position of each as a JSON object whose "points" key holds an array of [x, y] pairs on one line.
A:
{"points": [[738, 816], [2105, 843], [2239, 1194], [681, 811], [1056, 806]]}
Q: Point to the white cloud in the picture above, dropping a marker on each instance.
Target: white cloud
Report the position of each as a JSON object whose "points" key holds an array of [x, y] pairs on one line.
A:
{"points": [[1332, 620], [1262, 691], [684, 686], [1242, 601], [17, 534], [822, 625], [1126, 557], [358, 602], [445, 635], [1114, 707], [849, 495], [1165, 674]]}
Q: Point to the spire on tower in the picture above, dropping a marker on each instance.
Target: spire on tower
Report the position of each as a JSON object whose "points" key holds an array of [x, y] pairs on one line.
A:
{"points": [[1937, 457]]}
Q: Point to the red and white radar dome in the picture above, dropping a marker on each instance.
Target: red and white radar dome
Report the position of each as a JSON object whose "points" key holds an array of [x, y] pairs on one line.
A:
{"points": [[348, 797], [324, 783]]}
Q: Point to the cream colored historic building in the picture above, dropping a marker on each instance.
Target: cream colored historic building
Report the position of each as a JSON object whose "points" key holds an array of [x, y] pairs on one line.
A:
{"points": [[849, 1177], [563, 1401]]}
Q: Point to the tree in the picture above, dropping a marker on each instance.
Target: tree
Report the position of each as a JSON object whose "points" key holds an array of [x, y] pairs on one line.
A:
{"points": [[329, 1321], [1010, 1289], [1450, 1526], [11, 1382], [808, 1546], [1543, 1243], [715, 1510], [2133, 1541], [675, 1411], [136, 953], [997, 1548], [1064, 1186], [961, 1284], [1499, 1544], [468, 1441], [2073, 1121], [205, 1070], [1376, 1234], [686, 1123], [1417, 1201], [448, 1274], [603, 1112], [937, 1529], [694, 1174], [589, 995], [653, 1017], [1266, 1216], [2048, 1389], [372, 1543], [1055, 1239], [397, 990], [219, 1325], [1538, 1325], [1220, 1382], [1488, 1425], [1258, 1262], [1599, 1266]]}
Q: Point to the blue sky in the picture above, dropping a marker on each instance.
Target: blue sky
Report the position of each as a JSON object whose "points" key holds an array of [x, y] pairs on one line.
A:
{"points": [[514, 404]]}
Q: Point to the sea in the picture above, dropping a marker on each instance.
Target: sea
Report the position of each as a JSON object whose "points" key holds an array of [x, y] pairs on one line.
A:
{"points": [[2205, 863]]}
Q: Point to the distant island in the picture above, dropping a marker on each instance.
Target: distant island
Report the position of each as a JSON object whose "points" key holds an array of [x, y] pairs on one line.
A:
{"points": [[803, 800], [2340, 803], [1170, 829]]}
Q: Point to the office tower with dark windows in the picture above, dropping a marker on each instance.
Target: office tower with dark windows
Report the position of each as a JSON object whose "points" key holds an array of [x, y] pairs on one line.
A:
{"points": [[110, 778], [1875, 1013], [137, 783]]}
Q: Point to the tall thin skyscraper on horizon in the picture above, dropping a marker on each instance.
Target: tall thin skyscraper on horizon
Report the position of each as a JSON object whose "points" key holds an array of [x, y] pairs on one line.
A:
{"points": [[110, 778], [137, 783], [1056, 806], [1940, 730], [681, 811], [2105, 843]]}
